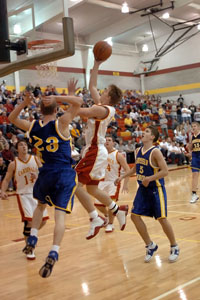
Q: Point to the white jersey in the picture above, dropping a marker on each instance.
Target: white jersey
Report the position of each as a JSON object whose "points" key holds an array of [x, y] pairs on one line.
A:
{"points": [[113, 169], [24, 183], [96, 129]]}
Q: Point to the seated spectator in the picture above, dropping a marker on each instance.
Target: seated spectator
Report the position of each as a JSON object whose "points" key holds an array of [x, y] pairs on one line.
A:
{"points": [[4, 123], [186, 114], [179, 114], [29, 88], [164, 147], [3, 169], [7, 155], [9, 106], [197, 115], [137, 130], [163, 125], [174, 153], [3, 142], [113, 133], [37, 90], [120, 146], [180, 100], [130, 151], [193, 109], [128, 122]]}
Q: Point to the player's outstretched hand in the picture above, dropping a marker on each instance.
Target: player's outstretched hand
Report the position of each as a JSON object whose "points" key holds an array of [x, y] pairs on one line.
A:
{"points": [[118, 180], [125, 189], [4, 196], [72, 86], [28, 98], [145, 181]]}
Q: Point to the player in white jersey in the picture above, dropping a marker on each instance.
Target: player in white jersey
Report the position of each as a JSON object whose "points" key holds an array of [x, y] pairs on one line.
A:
{"points": [[24, 170], [91, 168], [116, 163]]}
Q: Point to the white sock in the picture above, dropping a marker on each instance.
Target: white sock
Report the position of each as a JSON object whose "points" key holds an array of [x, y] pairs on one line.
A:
{"points": [[113, 207], [93, 214], [55, 248], [34, 232]]}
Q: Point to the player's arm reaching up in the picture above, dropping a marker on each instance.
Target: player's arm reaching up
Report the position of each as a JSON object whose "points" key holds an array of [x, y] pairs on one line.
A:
{"points": [[93, 82], [14, 115], [74, 106]]}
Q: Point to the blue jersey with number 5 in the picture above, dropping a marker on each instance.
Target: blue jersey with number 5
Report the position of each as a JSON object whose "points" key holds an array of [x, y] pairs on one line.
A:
{"points": [[51, 146]]}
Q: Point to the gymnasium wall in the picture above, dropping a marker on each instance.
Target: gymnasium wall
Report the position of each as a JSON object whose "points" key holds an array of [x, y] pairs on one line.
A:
{"points": [[178, 71]]}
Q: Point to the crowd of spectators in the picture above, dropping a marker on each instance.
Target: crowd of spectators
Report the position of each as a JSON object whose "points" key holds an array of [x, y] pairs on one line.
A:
{"points": [[134, 113]]}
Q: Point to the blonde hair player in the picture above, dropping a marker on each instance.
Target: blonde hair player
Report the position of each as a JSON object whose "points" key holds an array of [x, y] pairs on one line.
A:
{"points": [[56, 182], [91, 168], [151, 198], [116, 165], [24, 170], [194, 147]]}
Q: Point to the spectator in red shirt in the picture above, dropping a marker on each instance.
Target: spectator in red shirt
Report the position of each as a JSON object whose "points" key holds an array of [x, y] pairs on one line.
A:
{"points": [[9, 105], [4, 123], [7, 155]]}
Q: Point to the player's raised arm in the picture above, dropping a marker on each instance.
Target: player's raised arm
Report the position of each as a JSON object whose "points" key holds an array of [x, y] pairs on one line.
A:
{"points": [[74, 103], [14, 115], [93, 82]]}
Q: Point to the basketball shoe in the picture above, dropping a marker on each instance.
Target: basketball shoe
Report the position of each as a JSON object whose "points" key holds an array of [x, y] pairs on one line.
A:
{"points": [[47, 268], [121, 216], [150, 251], [95, 225], [174, 253], [109, 228], [31, 256], [194, 198], [30, 244]]}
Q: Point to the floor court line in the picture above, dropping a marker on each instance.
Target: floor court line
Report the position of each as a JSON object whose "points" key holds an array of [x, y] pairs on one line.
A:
{"points": [[42, 236], [177, 288], [184, 212]]}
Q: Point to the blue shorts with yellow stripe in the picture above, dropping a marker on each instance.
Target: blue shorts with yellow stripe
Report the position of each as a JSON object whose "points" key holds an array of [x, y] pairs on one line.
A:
{"points": [[195, 165], [56, 186], [150, 202]]}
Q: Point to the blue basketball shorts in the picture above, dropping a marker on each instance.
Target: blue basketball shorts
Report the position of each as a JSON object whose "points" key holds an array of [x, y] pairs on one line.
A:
{"points": [[150, 202], [56, 187]]}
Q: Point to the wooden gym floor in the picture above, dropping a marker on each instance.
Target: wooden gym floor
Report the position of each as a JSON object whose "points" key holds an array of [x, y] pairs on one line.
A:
{"points": [[110, 266]]}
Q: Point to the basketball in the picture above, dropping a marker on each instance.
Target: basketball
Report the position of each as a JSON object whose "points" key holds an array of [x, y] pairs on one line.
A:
{"points": [[102, 51]]}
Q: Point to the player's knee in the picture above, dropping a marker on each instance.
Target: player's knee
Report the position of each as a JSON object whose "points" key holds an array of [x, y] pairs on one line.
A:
{"points": [[41, 206]]}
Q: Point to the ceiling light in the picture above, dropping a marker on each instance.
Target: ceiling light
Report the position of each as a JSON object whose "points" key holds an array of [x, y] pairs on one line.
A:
{"points": [[145, 48], [165, 15], [109, 41], [198, 26], [125, 8], [17, 29]]}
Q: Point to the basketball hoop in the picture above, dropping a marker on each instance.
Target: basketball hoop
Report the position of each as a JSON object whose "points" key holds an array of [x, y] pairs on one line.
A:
{"points": [[43, 46]]}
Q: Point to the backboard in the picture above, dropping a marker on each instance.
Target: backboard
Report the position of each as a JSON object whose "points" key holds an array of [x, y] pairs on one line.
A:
{"points": [[38, 20]]}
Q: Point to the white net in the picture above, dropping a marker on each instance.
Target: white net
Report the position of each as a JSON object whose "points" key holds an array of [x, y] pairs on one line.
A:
{"points": [[48, 69]]}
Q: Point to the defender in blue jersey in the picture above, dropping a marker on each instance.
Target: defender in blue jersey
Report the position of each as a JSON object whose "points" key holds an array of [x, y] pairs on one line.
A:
{"points": [[195, 165], [56, 183], [151, 198]]}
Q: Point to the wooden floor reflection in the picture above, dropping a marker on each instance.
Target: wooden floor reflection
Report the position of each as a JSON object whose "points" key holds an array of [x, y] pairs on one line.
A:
{"points": [[109, 266]]}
